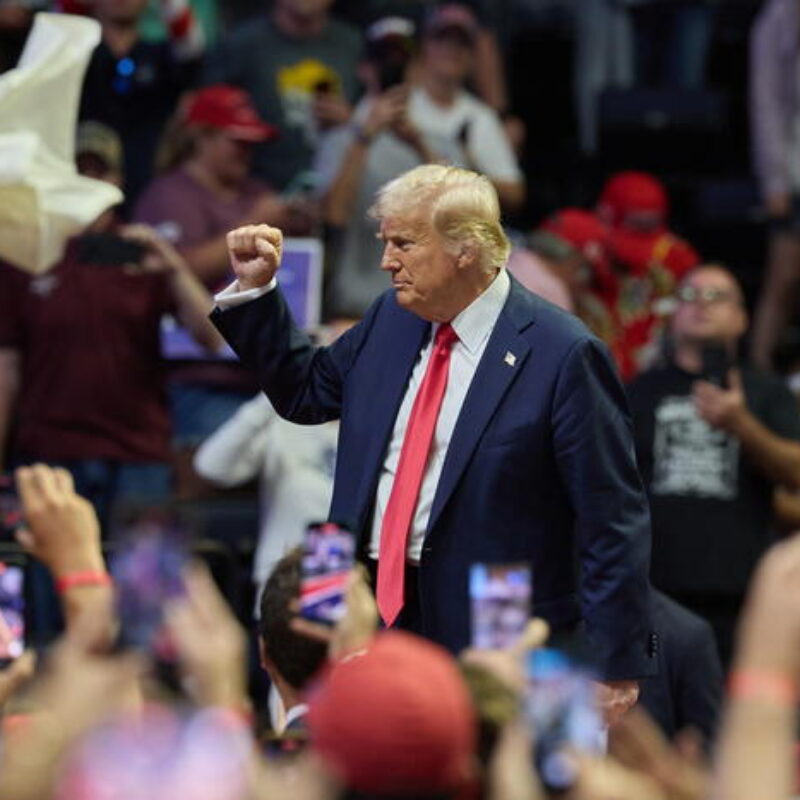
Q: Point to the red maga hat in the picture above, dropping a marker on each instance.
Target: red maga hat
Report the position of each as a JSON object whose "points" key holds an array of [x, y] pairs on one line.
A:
{"points": [[632, 192], [229, 109], [395, 720], [575, 229]]}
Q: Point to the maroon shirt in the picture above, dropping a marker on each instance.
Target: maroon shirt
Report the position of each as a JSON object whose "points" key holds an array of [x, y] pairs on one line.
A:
{"points": [[187, 214], [92, 384]]}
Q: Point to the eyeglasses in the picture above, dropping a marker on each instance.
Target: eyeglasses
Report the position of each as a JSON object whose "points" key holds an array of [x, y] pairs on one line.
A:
{"points": [[707, 295]]}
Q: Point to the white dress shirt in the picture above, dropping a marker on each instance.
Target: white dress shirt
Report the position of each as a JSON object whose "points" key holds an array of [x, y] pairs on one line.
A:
{"points": [[473, 326]]}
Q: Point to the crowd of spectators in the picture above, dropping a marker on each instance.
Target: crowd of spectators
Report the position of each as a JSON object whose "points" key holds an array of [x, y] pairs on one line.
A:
{"points": [[293, 113]]}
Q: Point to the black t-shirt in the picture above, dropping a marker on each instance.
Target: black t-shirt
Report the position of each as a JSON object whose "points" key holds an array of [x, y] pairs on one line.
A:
{"points": [[135, 95], [711, 505]]}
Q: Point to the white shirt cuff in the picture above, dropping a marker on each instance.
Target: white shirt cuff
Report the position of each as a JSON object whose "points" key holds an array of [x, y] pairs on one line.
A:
{"points": [[232, 295]]}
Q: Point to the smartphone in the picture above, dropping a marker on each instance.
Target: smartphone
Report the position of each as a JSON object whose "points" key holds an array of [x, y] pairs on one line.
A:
{"points": [[716, 363], [328, 557], [391, 72], [500, 596], [147, 567], [561, 709], [10, 508], [109, 250], [12, 612]]}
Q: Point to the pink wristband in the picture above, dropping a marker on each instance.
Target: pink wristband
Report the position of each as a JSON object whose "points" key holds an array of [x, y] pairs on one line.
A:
{"points": [[753, 684], [91, 577]]}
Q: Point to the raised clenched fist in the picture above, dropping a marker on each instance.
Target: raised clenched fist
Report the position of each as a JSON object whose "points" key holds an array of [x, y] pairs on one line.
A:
{"points": [[255, 253]]}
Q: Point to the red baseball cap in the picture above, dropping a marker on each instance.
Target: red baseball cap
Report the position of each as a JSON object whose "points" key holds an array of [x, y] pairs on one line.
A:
{"points": [[397, 720], [230, 109], [578, 230], [632, 192]]}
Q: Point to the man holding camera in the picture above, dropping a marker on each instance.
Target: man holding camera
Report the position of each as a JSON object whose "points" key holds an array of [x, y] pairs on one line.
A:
{"points": [[81, 374], [713, 441]]}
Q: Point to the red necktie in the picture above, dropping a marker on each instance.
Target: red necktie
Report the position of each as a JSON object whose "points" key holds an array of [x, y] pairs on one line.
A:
{"points": [[407, 480]]}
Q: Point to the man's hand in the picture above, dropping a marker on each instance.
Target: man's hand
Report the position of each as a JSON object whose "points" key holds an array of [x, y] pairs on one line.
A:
{"points": [[639, 745], [614, 698], [61, 530], [779, 204], [159, 254], [330, 109], [721, 408], [355, 629], [255, 252], [16, 675], [211, 644], [385, 110], [508, 665], [267, 209]]}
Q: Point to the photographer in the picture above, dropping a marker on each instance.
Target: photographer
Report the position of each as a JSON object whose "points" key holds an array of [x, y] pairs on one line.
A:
{"points": [[353, 161], [81, 351]]}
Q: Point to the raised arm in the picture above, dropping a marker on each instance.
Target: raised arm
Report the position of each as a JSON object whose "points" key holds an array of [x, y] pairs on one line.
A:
{"points": [[304, 382], [777, 457], [235, 452], [191, 298], [9, 387]]}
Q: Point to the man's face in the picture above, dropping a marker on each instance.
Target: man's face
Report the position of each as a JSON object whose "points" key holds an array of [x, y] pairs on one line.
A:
{"points": [[709, 308], [448, 54], [120, 11], [424, 274], [304, 8], [228, 158]]}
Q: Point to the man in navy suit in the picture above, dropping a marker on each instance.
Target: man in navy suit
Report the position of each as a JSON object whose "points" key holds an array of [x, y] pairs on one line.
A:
{"points": [[531, 457]]}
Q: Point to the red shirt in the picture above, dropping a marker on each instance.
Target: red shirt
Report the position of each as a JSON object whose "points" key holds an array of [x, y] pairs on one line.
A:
{"points": [[92, 383], [646, 270]]}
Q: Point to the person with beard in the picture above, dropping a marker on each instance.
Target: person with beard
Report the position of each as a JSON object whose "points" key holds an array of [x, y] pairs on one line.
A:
{"points": [[713, 440]]}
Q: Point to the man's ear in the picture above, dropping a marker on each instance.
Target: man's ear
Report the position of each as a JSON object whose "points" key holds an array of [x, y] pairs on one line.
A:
{"points": [[467, 257]]}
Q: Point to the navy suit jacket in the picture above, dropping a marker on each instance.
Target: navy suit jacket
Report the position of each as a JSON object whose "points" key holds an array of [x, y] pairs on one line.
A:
{"points": [[540, 466], [688, 690]]}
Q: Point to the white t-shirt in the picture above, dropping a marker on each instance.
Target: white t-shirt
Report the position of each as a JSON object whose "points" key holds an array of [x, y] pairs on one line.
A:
{"points": [[295, 463], [486, 140]]}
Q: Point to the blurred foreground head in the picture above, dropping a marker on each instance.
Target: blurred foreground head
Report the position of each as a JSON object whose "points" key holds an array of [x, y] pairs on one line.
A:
{"points": [[396, 720]]}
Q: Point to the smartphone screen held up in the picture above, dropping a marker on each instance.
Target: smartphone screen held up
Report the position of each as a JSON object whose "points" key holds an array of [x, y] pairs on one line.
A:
{"points": [[562, 712], [147, 568], [328, 557], [12, 612], [500, 595], [10, 509]]}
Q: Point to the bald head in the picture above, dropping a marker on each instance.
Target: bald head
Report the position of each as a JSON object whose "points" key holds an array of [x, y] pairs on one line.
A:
{"points": [[710, 307]]}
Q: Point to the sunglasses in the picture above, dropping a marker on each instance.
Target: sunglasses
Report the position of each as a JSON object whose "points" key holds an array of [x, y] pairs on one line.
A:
{"points": [[707, 295]]}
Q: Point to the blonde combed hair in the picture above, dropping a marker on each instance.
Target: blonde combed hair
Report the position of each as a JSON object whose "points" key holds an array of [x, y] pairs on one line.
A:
{"points": [[462, 207]]}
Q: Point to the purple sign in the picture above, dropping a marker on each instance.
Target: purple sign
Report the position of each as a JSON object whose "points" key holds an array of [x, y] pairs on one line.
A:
{"points": [[300, 280]]}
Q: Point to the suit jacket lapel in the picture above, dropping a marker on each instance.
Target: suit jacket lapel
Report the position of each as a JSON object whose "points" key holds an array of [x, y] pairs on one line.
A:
{"points": [[491, 381]]}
